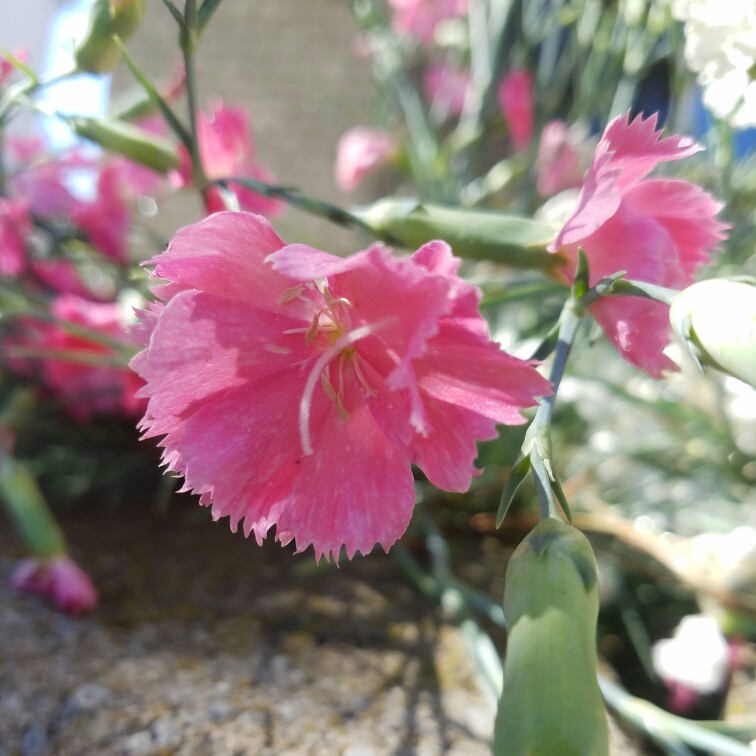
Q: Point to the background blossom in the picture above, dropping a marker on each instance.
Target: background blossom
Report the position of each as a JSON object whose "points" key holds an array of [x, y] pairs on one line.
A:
{"points": [[227, 149], [516, 103], [360, 151], [720, 46], [657, 230]]}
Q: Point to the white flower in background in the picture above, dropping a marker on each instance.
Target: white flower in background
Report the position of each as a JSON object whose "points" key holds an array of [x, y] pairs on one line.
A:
{"points": [[697, 656], [720, 46]]}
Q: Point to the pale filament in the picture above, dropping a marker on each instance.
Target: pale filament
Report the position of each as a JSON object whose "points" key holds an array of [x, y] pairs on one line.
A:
{"points": [[334, 323]]}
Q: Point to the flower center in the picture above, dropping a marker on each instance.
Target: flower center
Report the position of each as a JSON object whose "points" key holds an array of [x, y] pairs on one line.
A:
{"points": [[331, 328]]}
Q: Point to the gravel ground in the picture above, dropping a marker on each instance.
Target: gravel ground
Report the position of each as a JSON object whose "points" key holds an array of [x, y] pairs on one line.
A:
{"points": [[204, 643]]}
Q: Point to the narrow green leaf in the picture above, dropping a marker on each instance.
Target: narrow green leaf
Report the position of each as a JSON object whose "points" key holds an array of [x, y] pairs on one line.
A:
{"points": [[176, 13], [154, 95], [516, 477], [581, 284], [556, 487], [19, 64], [548, 345], [623, 287], [205, 12]]}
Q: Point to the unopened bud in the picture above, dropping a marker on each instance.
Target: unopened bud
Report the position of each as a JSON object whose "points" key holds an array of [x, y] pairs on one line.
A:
{"points": [[128, 140], [716, 321], [98, 52], [551, 703], [473, 234]]}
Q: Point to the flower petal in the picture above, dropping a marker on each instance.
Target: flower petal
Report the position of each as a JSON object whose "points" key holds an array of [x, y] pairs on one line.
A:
{"points": [[223, 254], [626, 153], [687, 213], [639, 329], [204, 345], [251, 434]]}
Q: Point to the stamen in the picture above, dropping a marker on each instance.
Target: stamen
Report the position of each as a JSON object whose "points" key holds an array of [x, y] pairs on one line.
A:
{"points": [[330, 391], [291, 294], [312, 332], [275, 349], [327, 355], [341, 409], [361, 377]]}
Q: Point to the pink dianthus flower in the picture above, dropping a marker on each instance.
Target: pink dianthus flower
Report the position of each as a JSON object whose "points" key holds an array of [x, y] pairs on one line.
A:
{"points": [[361, 151], [294, 388], [657, 230], [227, 150], [79, 369]]}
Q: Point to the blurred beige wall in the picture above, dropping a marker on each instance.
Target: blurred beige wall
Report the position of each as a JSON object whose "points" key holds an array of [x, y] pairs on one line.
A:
{"points": [[292, 64]]}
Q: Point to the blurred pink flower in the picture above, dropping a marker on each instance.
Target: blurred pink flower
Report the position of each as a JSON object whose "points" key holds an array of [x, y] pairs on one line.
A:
{"points": [[107, 217], [361, 151], [79, 373], [60, 275], [419, 18], [294, 388], [658, 230], [59, 579], [558, 161], [227, 150], [52, 187], [446, 87], [516, 103], [15, 227], [44, 180]]}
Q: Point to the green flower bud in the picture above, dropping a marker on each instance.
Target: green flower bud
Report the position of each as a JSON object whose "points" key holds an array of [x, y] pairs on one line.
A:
{"points": [[551, 704], [716, 321], [98, 52], [474, 234], [128, 140]]}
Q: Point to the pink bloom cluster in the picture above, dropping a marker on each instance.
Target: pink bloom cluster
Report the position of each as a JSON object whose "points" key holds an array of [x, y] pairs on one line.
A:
{"points": [[76, 368], [47, 186], [60, 579], [44, 202], [361, 151], [659, 231], [227, 150], [294, 388], [419, 18]]}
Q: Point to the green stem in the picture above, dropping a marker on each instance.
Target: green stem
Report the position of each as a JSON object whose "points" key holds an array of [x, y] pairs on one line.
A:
{"points": [[316, 207], [538, 437], [28, 509], [188, 45]]}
